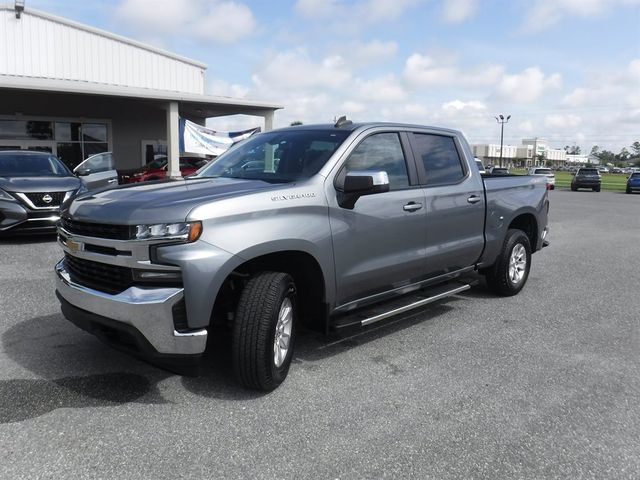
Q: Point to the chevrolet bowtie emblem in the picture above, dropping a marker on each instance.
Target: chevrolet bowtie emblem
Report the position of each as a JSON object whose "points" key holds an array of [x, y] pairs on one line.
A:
{"points": [[73, 246]]}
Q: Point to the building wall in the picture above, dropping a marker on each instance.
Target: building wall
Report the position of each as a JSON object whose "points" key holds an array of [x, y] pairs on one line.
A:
{"points": [[130, 121], [43, 46]]}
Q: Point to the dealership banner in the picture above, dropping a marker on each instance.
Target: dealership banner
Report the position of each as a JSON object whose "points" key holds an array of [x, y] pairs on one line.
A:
{"points": [[195, 138]]}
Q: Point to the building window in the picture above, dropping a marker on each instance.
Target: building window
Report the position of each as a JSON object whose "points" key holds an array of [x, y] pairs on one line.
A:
{"points": [[77, 141], [26, 130]]}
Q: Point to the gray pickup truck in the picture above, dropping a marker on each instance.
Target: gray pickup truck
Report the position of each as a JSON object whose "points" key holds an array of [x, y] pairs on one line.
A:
{"points": [[327, 225]]}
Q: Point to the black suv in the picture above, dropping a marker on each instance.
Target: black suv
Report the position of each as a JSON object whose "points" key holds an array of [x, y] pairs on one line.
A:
{"points": [[586, 178]]}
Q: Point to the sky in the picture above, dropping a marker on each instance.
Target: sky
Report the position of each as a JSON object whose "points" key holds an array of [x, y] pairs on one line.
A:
{"points": [[565, 70]]}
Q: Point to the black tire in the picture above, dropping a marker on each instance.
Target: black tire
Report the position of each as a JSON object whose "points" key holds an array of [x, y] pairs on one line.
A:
{"points": [[596, 189], [254, 330], [498, 277], [574, 189], [628, 190]]}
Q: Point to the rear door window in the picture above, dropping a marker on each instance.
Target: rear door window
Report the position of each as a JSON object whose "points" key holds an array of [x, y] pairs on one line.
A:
{"points": [[440, 158]]}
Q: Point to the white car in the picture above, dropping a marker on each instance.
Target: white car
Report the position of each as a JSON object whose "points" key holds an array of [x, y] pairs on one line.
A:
{"points": [[97, 171], [547, 172]]}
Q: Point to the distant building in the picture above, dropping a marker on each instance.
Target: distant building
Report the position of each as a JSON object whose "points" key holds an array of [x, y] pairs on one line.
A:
{"points": [[582, 159], [533, 152]]}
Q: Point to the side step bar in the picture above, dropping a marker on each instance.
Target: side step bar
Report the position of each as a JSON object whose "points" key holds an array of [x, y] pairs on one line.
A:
{"points": [[367, 316]]}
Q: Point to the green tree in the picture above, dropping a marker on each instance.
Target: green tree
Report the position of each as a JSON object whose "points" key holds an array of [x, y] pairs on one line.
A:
{"points": [[574, 150]]}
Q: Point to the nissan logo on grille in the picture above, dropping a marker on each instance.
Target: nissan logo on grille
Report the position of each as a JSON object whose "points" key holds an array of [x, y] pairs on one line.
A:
{"points": [[47, 198]]}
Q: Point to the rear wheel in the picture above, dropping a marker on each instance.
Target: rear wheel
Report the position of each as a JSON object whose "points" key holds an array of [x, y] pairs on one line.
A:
{"points": [[628, 190], [574, 189], [511, 270], [264, 330], [596, 189]]}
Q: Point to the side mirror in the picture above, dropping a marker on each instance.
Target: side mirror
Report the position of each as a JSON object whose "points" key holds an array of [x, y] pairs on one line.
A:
{"points": [[359, 183], [83, 172]]}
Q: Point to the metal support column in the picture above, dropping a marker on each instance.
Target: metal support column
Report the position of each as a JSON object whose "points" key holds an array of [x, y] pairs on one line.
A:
{"points": [[268, 121], [173, 140]]}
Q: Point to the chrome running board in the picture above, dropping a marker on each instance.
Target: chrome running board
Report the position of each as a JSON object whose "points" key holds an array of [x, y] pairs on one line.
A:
{"points": [[369, 315]]}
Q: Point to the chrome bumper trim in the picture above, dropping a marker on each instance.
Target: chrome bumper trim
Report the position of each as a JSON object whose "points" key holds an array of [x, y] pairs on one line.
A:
{"points": [[149, 310]]}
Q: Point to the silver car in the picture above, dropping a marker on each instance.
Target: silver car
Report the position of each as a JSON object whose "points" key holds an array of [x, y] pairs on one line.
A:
{"points": [[98, 171]]}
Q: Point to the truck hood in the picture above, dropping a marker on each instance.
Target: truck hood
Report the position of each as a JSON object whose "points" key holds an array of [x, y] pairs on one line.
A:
{"points": [[39, 184], [157, 202]]}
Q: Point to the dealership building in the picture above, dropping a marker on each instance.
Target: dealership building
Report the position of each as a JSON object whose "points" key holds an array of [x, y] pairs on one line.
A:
{"points": [[533, 152], [75, 90]]}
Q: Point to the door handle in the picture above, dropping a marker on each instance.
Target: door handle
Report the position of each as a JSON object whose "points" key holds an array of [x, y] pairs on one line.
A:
{"points": [[412, 207], [474, 199]]}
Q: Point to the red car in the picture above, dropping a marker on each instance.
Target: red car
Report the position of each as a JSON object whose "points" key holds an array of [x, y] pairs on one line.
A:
{"points": [[157, 169]]}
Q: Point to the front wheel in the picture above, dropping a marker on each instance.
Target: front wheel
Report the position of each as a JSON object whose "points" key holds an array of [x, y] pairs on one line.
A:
{"points": [[596, 189], [263, 330], [574, 189], [628, 190], [511, 270]]}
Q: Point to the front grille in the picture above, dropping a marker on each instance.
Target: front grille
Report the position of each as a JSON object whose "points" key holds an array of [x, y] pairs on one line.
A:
{"points": [[99, 276], [98, 230], [38, 198]]}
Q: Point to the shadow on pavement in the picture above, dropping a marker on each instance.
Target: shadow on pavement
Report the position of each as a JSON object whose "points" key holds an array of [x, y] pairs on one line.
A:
{"points": [[74, 370]]}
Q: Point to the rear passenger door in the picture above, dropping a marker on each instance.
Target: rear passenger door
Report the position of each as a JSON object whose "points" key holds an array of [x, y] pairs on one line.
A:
{"points": [[454, 205], [379, 243]]}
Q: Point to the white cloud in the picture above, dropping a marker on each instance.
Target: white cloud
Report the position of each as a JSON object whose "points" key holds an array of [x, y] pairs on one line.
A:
{"points": [[527, 86], [215, 21], [457, 11], [225, 89], [364, 11], [374, 11], [225, 22], [525, 127], [459, 105], [385, 89], [316, 8], [429, 71], [295, 70], [545, 13], [374, 51], [560, 121]]}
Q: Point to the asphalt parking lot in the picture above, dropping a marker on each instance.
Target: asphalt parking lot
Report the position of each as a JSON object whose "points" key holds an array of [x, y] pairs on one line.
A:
{"points": [[542, 385]]}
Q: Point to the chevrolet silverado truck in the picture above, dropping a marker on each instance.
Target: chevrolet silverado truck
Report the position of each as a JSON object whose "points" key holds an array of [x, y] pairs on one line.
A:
{"points": [[332, 226]]}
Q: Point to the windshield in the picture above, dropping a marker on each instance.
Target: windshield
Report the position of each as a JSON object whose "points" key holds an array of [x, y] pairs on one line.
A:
{"points": [[31, 165], [587, 171], [635, 175], [277, 157], [157, 163]]}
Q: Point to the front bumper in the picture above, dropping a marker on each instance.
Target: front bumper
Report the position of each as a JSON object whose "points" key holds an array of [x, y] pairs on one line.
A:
{"points": [[17, 219], [138, 320]]}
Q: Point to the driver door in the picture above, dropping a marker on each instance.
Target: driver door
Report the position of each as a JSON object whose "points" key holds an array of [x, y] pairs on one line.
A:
{"points": [[379, 245]]}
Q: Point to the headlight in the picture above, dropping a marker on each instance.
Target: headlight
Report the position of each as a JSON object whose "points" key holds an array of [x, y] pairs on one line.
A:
{"points": [[74, 193], [5, 196], [184, 231]]}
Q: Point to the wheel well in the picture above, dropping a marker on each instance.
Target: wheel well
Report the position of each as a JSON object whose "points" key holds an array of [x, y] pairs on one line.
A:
{"points": [[306, 273], [527, 223]]}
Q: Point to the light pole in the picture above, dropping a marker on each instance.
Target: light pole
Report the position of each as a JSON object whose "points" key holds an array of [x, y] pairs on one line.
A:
{"points": [[501, 120]]}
